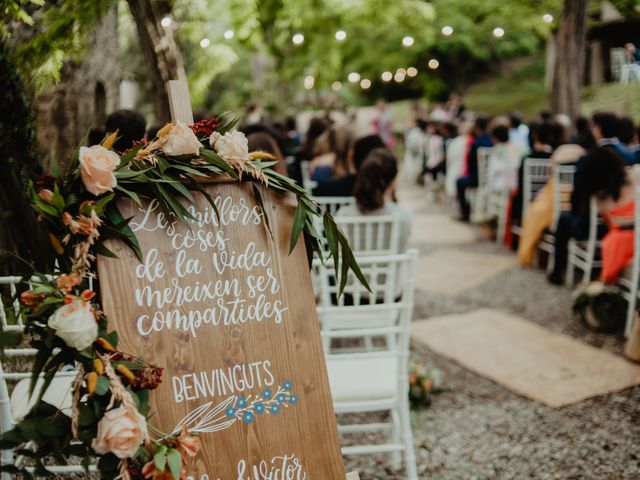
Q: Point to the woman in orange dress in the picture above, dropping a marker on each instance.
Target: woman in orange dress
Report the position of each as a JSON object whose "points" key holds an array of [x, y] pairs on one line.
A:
{"points": [[613, 185]]}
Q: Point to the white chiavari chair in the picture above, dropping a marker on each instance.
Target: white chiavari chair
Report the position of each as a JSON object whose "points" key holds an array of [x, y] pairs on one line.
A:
{"points": [[371, 234], [372, 380], [536, 173], [562, 189], [582, 253]]}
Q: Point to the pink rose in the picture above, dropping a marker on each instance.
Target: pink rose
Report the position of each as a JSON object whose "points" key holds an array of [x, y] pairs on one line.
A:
{"points": [[121, 431], [180, 140], [96, 169]]}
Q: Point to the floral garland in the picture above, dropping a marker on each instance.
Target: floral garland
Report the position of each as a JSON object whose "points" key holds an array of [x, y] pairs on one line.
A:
{"points": [[62, 314]]}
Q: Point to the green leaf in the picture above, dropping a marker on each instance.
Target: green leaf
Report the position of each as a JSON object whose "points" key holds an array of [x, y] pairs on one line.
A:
{"points": [[116, 219], [175, 463], [160, 458], [213, 158], [133, 195], [258, 197], [55, 426], [174, 205], [298, 225], [112, 338], [104, 251]]}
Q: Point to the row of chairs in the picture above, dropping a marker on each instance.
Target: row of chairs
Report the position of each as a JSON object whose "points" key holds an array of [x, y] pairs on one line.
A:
{"points": [[366, 334], [583, 255]]}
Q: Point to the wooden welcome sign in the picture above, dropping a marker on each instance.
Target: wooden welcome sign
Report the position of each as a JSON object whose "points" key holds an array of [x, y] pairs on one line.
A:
{"points": [[231, 317]]}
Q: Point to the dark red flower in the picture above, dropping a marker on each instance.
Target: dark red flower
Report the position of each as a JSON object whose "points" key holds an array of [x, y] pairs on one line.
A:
{"points": [[204, 128]]}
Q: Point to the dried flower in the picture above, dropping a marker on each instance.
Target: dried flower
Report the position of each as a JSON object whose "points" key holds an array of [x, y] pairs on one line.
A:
{"points": [[66, 282]]}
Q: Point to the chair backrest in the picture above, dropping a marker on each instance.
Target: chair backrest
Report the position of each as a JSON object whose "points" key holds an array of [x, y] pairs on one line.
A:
{"points": [[536, 173], [562, 190], [386, 313], [333, 204], [372, 234]]}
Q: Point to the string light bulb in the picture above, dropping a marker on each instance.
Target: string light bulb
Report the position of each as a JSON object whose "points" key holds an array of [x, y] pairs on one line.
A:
{"points": [[204, 43], [547, 18], [408, 41], [433, 64], [336, 86], [412, 71], [498, 32], [386, 76], [228, 34], [353, 77], [309, 82], [298, 39], [447, 30], [365, 83], [341, 35], [166, 21]]}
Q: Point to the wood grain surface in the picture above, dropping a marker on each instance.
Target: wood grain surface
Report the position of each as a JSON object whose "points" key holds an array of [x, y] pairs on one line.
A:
{"points": [[258, 332]]}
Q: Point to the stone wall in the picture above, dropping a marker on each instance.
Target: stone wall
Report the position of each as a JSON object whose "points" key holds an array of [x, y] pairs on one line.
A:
{"points": [[88, 91]]}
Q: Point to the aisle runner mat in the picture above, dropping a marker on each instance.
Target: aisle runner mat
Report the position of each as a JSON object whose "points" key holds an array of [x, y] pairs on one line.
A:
{"points": [[437, 229], [550, 368], [451, 272]]}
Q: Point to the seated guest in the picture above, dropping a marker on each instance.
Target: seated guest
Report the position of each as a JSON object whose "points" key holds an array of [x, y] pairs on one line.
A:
{"points": [[470, 177], [519, 133], [373, 192], [262, 140], [304, 153], [456, 154], [504, 161], [343, 186], [331, 155], [539, 214], [633, 54], [613, 184], [575, 224], [541, 136], [130, 125]]}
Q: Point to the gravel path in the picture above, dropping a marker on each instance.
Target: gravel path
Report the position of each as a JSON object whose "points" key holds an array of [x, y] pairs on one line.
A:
{"points": [[477, 429]]}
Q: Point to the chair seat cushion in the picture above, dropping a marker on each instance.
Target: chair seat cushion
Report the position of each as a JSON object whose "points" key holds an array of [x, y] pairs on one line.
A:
{"points": [[58, 394], [362, 378]]}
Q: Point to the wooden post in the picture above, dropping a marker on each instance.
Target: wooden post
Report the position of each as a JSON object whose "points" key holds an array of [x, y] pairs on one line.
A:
{"points": [[180, 101]]}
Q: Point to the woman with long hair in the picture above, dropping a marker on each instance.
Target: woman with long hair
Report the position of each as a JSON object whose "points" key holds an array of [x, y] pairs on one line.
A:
{"points": [[331, 158], [613, 184], [374, 192]]}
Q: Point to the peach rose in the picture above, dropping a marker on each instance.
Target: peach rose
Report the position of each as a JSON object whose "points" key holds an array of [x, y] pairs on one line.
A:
{"points": [[75, 323], [96, 169], [180, 140], [121, 431]]}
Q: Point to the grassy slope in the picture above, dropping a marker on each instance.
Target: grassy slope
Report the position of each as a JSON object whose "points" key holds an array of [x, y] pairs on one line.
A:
{"points": [[521, 87]]}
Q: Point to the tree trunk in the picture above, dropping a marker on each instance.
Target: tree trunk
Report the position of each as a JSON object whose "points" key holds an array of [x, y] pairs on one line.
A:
{"points": [[570, 42], [159, 49]]}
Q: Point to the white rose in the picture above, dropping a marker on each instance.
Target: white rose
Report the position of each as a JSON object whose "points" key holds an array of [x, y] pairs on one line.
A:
{"points": [[233, 145], [75, 324], [180, 140], [96, 169]]}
